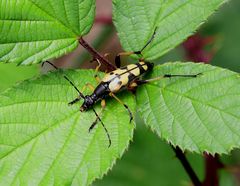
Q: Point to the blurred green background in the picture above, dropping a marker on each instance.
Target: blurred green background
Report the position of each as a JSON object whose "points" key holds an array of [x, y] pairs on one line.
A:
{"points": [[150, 161]]}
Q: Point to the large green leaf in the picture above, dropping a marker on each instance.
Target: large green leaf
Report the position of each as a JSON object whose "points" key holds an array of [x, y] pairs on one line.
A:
{"points": [[36, 30], [43, 141], [175, 21], [196, 114], [156, 165]]}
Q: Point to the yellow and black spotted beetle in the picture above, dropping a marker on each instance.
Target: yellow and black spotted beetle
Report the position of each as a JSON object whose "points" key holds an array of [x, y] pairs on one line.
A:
{"points": [[115, 81]]}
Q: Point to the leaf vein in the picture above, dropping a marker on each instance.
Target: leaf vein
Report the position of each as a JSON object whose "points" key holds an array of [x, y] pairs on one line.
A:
{"points": [[206, 127], [25, 162], [186, 132], [61, 149], [57, 20]]}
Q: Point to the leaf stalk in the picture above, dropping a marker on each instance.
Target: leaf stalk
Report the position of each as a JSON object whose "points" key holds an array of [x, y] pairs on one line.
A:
{"points": [[182, 158], [96, 55]]}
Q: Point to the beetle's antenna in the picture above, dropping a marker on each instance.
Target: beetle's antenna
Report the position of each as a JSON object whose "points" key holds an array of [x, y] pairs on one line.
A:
{"points": [[81, 95], [150, 40], [98, 118]]}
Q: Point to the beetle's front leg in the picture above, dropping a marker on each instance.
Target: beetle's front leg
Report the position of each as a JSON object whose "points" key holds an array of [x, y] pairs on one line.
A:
{"points": [[90, 86], [97, 70]]}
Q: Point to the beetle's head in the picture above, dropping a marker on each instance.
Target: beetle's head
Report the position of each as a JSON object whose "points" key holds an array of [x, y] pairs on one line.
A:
{"points": [[88, 102]]}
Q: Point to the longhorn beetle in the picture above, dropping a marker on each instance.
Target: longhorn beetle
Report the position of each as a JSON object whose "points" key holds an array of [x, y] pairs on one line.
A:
{"points": [[115, 81]]}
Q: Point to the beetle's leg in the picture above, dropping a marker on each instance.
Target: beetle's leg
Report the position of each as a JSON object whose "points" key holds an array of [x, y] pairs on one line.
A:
{"points": [[133, 85], [96, 71], [129, 111], [118, 57], [91, 87], [74, 101], [139, 82], [98, 66], [106, 55], [103, 104]]}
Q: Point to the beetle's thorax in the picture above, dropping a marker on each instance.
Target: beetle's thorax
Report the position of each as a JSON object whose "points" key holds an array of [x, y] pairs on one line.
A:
{"points": [[100, 92], [89, 101]]}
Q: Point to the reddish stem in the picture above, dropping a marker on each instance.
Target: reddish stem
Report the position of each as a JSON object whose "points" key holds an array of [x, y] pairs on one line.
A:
{"points": [[212, 164], [195, 51], [96, 55], [103, 20]]}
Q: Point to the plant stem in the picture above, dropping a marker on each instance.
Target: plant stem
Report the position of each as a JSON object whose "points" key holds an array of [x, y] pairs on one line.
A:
{"points": [[96, 55], [195, 51], [182, 158], [212, 165], [107, 20], [100, 41]]}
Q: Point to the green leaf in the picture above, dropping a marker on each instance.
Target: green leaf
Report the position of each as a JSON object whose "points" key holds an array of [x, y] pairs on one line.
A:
{"points": [[156, 165], [36, 30], [175, 21], [43, 141], [10, 74], [197, 114]]}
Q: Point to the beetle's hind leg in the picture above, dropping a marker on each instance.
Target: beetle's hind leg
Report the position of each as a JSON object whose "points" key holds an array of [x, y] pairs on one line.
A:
{"points": [[90, 86], [126, 107], [118, 57], [140, 82]]}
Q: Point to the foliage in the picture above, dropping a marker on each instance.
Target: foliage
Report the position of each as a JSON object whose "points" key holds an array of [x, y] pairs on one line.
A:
{"points": [[184, 102], [156, 165], [42, 138], [39, 131], [45, 29], [135, 22]]}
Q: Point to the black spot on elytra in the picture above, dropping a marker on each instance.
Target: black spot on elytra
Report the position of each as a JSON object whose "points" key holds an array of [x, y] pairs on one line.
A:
{"points": [[141, 68], [120, 83], [131, 77]]}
